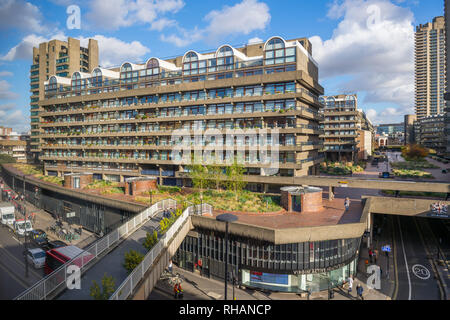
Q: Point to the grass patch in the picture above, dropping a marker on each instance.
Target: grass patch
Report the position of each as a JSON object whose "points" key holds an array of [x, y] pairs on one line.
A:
{"points": [[105, 187], [404, 173], [341, 169], [225, 200], [413, 165]]}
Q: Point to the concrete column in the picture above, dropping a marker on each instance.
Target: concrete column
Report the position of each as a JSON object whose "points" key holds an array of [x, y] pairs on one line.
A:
{"points": [[330, 193], [266, 188]]}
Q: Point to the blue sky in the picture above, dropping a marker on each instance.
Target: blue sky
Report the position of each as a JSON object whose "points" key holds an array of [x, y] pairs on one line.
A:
{"points": [[362, 46]]}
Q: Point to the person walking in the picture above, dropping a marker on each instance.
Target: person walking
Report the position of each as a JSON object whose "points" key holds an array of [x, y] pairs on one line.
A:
{"points": [[350, 284], [375, 255], [170, 266], [359, 291], [370, 255], [347, 203]]}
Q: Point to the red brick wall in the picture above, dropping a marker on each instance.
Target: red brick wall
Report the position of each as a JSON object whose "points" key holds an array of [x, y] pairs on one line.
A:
{"points": [[138, 186], [84, 181], [312, 202]]}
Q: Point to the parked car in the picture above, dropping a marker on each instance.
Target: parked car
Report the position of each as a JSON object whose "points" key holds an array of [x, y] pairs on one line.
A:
{"points": [[39, 237], [56, 244], [36, 257]]}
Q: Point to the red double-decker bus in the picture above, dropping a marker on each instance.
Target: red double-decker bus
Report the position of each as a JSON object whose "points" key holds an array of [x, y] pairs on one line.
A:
{"points": [[55, 258]]}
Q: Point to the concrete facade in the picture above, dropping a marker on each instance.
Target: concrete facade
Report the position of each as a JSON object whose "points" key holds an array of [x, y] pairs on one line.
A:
{"points": [[124, 123], [430, 68], [59, 58]]}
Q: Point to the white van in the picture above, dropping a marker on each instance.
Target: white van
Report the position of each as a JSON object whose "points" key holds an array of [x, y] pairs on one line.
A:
{"points": [[21, 226], [7, 215]]}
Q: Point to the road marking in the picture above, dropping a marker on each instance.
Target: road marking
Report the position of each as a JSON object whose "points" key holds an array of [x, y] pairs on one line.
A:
{"points": [[421, 272], [406, 261], [21, 263]]}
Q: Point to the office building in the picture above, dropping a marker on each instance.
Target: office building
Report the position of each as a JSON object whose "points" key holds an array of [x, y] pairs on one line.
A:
{"points": [[119, 123], [60, 59], [348, 133], [430, 68], [447, 79], [431, 134]]}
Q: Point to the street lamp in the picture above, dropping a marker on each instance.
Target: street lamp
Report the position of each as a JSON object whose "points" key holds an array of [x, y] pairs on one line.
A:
{"points": [[226, 217]]}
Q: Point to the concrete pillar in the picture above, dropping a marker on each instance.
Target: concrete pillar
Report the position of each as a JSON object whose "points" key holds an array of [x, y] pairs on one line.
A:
{"points": [[330, 193], [369, 228], [266, 188]]}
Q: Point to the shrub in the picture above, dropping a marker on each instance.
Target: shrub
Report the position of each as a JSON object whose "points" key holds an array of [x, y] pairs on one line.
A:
{"points": [[132, 260], [108, 288], [150, 240]]}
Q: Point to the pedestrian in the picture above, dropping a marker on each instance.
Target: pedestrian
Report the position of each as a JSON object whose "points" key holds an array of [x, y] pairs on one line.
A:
{"points": [[170, 266], [375, 255], [347, 203], [370, 255], [350, 284], [359, 291]]}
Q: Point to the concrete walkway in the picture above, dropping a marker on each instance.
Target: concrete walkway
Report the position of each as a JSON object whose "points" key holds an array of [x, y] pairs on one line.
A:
{"points": [[112, 263]]}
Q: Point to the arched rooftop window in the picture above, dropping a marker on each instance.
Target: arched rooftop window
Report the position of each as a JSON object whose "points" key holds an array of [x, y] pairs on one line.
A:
{"points": [[190, 56], [76, 76], [192, 65], [275, 52], [274, 43], [52, 80], [152, 63], [330, 102], [126, 67], [350, 101], [224, 51], [97, 72]]}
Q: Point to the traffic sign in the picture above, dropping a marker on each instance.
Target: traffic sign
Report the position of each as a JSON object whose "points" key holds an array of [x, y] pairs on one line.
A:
{"points": [[386, 248]]}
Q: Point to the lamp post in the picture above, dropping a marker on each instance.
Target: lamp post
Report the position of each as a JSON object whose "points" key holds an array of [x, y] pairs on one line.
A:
{"points": [[226, 217]]}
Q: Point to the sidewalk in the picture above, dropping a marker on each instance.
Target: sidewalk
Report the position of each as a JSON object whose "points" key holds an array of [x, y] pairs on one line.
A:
{"points": [[196, 287]]}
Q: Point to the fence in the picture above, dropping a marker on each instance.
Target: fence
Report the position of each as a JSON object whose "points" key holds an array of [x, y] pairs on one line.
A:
{"points": [[58, 278], [127, 287]]}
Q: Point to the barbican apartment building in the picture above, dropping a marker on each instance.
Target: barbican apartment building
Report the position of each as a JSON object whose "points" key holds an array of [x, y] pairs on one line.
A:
{"points": [[118, 123], [60, 58], [348, 134]]}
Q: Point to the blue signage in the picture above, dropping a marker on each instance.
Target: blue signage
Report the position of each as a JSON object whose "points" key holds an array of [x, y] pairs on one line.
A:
{"points": [[386, 248], [280, 279]]}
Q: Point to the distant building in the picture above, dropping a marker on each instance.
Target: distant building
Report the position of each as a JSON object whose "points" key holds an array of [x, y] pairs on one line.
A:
{"points": [[348, 133], [14, 148], [409, 128], [430, 133], [447, 60], [430, 68], [390, 128]]}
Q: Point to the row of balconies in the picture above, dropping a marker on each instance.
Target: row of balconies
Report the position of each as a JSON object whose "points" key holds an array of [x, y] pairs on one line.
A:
{"points": [[156, 119]]}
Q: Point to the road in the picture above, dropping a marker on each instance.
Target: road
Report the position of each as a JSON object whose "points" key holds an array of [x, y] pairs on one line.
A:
{"points": [[12, 266], [416, 279]]}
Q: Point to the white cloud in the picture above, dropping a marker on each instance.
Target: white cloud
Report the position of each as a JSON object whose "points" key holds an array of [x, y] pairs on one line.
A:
{"points": [[5, 74], [24, 50], [255, 40], [16, 120], [7, 106], [373, 45], [242, 18], [19, 14], [162, 24], [5, 93], [115, 14], [388, 115], [113, 51]]}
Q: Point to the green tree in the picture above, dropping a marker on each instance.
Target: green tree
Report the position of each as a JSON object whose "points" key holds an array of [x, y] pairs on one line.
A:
{"points": [[150, 240], [107, 289], [132, 260], [235, 178], [414, 152], [216, 175], [199, 176]]}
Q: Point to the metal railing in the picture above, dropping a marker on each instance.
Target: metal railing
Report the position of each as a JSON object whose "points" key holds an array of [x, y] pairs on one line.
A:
{"points": [[58, 278], [129, 284]]}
